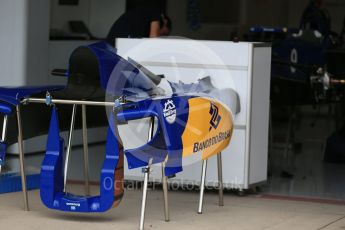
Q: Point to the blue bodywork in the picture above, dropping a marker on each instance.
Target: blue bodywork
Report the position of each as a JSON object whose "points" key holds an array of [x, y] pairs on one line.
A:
{"points": [[297, 55], [307, 55], [51, 190], [14, 95], [294, 52], [168, 138]]}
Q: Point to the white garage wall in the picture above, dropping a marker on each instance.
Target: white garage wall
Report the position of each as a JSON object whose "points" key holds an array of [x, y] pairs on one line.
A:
{"points": [[12, 41], [24, 26], [24, 34]]}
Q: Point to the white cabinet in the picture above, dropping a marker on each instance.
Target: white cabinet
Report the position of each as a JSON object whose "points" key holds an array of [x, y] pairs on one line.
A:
{"points": [[244, 67]]}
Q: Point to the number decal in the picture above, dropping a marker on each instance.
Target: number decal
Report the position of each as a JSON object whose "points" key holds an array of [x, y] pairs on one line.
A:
{"points": [[293, 59]]}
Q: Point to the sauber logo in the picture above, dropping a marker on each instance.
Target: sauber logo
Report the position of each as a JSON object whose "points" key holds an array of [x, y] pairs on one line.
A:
{"points": [[169, 111], [215, 117], [73, 205]]}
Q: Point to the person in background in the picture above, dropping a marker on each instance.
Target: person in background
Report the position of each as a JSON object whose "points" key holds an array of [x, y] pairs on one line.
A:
{"points": [[140, 23], [315, 17]]}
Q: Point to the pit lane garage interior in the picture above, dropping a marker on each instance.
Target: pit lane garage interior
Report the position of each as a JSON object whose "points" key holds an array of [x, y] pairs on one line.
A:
{"points": [[165, 114]]}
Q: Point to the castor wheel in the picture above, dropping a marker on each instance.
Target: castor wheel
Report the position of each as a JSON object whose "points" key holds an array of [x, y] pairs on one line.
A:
{"points": [[256, 190]]}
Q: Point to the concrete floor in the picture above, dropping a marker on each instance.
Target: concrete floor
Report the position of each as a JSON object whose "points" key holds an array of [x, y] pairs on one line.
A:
{"points": [[238, 213], [312, 176]]}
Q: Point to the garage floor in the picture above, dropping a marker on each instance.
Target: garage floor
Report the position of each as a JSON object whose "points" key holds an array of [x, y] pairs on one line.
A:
{"points": [[238, 213], [312, 177]]}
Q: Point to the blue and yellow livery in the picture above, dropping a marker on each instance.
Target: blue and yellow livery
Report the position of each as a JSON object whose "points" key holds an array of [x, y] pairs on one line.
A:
{"points": [[188, 123]]}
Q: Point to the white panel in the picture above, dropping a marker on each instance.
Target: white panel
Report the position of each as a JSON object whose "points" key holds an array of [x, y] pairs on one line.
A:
{"points": [[259, 117], [245, 160], [185, 51]]}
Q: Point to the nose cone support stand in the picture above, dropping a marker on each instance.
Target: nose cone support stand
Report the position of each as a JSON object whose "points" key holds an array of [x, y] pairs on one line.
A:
{"points": [[146, 178], [21, 159], [203, 181]]}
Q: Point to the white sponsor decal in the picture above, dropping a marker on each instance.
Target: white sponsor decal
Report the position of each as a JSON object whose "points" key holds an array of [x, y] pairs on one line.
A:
{"points": [[169, 111], [73, 204]]}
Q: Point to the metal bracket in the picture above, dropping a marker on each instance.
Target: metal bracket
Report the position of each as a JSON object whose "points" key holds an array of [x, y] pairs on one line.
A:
{"points": [[146, 170], [49, 99], [119, 102]]}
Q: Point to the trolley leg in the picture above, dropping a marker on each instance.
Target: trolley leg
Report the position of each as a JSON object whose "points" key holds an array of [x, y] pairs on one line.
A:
{"points": [[69, 145], [220, 178], [146, 178], [21, 159], [165, 193], [86, 152], [143, 202], [202, 186]]}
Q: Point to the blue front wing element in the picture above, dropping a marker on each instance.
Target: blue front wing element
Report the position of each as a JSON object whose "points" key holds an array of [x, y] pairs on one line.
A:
{"points": [[14, 95], [51, 191], [167, 142]]}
